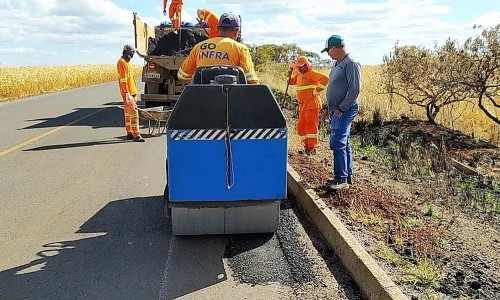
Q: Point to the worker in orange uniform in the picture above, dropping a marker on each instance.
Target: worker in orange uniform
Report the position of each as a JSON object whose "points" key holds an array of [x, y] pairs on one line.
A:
{"points": [[221, 50], [309, 84], [212, 21], [174, 12], [128, 91]]}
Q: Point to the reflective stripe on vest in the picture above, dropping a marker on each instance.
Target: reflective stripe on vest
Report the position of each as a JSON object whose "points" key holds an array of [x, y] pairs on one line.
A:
{"points": [[183, 75], [250, 76], [305, 87]]}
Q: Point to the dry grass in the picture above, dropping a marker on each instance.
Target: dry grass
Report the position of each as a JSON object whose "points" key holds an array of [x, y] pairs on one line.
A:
{"points": [[17, 82], [465, 117]]}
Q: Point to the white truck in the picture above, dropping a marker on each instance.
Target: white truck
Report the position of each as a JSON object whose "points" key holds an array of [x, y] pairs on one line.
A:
{"points": [[164, 51]]}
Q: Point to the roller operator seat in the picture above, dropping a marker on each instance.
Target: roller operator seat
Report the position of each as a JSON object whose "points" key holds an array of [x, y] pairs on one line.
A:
{"points": [[207, 74]]}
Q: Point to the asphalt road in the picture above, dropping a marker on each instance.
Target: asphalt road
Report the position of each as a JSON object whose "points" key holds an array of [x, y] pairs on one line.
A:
{"points": [[81, 217]]}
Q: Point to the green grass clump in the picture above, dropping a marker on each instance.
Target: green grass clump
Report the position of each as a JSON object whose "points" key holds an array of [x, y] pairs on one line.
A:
{"points": [[424, 274], [389, 255]]}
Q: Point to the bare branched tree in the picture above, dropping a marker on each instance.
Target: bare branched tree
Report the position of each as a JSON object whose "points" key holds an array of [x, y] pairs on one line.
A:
{"points": [[421, 76], [447, 74], [481, 74]]}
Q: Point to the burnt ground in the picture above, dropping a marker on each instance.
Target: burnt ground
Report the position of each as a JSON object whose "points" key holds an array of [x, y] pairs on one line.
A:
{"points": [[432, 228]]}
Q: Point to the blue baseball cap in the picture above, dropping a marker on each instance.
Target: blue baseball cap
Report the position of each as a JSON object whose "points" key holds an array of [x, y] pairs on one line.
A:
{"points": [[229, 20]]}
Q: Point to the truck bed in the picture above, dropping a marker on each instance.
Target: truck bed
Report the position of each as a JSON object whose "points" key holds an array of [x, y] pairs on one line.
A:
{"points": [[168, 62], [164, 51]]}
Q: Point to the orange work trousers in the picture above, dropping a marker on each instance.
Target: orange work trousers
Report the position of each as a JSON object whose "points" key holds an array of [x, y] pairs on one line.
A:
{"points": [[307, 128], [131, 117], [174, 13]]}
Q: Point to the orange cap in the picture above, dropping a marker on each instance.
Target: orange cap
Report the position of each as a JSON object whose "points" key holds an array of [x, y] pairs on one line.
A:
{"points": [[301, 60]]}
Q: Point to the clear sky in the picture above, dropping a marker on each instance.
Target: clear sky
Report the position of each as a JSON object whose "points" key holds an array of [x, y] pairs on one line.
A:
{"points": [[69, 32]]}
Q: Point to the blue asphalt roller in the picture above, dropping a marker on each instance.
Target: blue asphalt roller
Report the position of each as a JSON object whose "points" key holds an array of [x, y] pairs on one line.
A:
{"points": [[226, 156]]}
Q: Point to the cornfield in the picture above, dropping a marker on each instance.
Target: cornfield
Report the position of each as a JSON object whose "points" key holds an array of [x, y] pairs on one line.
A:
{"points": [[17, 82]]}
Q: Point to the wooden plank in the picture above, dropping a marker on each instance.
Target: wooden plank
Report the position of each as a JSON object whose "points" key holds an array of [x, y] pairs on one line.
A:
{"points": [[464, 168]]}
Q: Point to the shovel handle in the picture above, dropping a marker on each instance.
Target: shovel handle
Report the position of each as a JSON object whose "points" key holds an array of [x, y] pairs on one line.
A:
{"points": [[288, 81], [199, 22]]}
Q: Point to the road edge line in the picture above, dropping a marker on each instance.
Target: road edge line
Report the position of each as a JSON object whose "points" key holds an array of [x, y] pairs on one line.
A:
{"points": [[370, 277]]}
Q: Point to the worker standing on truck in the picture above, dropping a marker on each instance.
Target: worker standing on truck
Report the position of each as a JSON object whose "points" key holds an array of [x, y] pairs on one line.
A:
{"points": [[212, 21], [174, 12], [309, 84], [128, 91], [221, 50]]}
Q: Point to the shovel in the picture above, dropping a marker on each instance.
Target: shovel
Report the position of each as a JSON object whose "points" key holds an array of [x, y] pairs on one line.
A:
{"points": [[289, 77], [288, 83], [204, 29]]}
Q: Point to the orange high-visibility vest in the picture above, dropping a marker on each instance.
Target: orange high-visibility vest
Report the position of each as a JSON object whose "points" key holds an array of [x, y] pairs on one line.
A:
{"points": [[305, 84], [126, 78]]}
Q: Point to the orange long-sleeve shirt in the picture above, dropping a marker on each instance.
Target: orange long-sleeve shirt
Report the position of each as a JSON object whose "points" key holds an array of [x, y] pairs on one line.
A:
{"points": [[126, 78], [305, 84], [212, 21], [171, 2], [218, 51]]}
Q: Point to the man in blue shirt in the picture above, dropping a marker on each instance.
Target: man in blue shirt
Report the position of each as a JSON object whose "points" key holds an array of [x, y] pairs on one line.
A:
{"points": [[342, 97]]}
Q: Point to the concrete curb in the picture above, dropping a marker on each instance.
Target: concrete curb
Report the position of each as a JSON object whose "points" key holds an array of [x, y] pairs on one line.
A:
{"points": [[372, 280]]}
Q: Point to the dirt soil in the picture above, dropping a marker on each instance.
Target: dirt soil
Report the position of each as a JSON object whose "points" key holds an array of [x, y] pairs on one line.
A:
{"points": [[421, 218]]}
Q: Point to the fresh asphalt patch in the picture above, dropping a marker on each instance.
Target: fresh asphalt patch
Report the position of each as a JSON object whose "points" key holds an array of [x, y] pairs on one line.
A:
{"points": [[264, 258]]}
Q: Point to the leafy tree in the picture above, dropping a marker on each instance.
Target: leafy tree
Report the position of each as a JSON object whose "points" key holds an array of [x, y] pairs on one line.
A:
{"points": [[313, 57], [324, 63], [280, 54], [273, 53]]}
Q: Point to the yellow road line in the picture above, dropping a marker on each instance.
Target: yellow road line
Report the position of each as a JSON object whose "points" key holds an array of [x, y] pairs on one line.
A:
{"points": [[36, 138]]}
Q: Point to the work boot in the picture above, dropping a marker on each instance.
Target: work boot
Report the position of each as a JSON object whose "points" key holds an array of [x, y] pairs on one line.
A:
{"points": [[310, 151], [331, 180], [307, 151], [130, 136], [337, 184], [139, 139]]}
